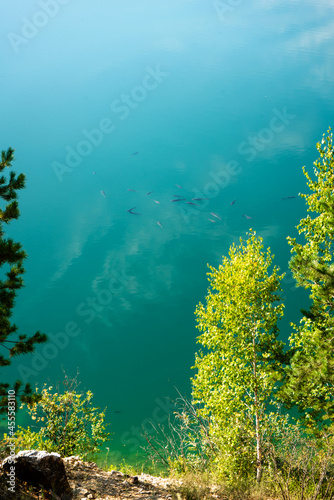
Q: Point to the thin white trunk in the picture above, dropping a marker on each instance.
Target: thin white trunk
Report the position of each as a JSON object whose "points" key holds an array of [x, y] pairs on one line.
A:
{"points": [[258, 448], [257, 419]]}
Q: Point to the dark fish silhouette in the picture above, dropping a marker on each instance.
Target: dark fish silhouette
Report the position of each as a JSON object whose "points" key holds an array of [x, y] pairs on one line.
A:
{"points": [[135, 153], [198, 199], [103, 193], [177, 196], [191, 203], [246, 216], [149, 192], [288, 197], [133, 213], [179, 199], [133, 190], [232, 202]]}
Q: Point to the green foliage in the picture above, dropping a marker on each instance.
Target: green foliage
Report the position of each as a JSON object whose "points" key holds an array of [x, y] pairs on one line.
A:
{"points": [[194, 487], [184, 445], [310, 377], [299, 465], [68, 423], [12, 255], [312, 263], [234, 427], [125, 468], [243, 360]]}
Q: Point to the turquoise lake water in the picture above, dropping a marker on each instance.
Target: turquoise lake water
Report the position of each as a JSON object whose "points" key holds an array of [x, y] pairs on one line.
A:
{"points": [[107, 101]]}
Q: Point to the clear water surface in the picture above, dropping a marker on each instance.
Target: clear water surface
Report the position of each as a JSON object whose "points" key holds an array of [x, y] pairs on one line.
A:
{"points": [[107, 101]]}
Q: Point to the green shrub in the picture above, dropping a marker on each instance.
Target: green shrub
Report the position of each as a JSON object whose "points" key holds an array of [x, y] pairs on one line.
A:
{"points": [[184, 444], [68, 423], [300, 466]]}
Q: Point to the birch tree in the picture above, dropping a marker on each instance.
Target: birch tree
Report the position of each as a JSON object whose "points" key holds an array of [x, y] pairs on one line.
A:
{"points": [[242, 359]]}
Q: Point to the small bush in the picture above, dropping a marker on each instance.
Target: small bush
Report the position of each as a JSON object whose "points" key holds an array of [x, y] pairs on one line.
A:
{"points": [[184, 445], [194, 487], [300, 466], [68, 423]]}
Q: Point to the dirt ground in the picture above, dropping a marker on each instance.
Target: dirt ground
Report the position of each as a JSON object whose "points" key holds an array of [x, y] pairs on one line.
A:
{"points": [[89, 482]]}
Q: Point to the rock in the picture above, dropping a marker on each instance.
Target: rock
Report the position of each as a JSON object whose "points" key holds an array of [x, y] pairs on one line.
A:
{"points": [[83, 491], [41, 468]]}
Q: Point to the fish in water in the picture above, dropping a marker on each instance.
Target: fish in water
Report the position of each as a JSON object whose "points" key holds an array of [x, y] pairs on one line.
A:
{"points": [[133, 213], [211, 220], [179, 199], [159, 224], [133, 190], [149, 192], [232, 202], [198, 199], [246, 216], [177, 196], [288, 197], [103, 193], [178, 186], [191, 203], [215, 215], [135, 153], [155, 201]]}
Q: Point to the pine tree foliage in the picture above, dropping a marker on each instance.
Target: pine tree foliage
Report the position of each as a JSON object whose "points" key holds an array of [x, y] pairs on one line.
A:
{"points": [[242, 361], [11, 263], [310, 378]]}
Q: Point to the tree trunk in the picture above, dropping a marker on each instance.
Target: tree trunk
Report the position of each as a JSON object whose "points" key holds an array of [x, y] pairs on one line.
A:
{"points": [[257, 418], [258, 446]]}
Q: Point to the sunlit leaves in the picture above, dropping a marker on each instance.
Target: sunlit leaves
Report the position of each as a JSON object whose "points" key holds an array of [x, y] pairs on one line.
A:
{"points": [[241, 361], [68, 424], [310, 378]]}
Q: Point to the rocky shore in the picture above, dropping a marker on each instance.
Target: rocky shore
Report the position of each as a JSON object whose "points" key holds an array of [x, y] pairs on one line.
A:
{"points": [[38, 474]]}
